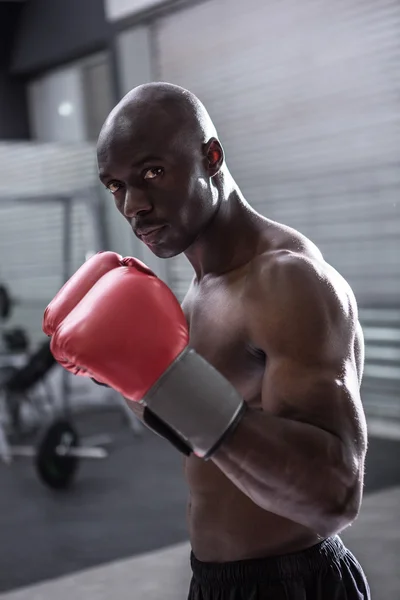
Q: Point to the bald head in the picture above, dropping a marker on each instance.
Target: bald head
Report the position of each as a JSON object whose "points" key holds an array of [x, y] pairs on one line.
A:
{"points": [[162, 110]]}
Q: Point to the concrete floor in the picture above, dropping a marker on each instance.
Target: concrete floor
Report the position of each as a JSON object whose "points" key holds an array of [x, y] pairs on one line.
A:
{"points": [[121, 531], [165, 574], [117, 508]]}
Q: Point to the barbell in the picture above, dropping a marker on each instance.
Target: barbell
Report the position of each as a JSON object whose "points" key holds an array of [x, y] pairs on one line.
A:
{"points": [[58, 454]]}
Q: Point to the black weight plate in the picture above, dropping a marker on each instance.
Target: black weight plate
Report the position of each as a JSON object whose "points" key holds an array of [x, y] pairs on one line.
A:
{"points": [[55, 470], [5, 302]]}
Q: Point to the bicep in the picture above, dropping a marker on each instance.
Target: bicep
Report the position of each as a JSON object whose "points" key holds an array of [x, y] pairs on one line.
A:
{"points": [[312, 373]]}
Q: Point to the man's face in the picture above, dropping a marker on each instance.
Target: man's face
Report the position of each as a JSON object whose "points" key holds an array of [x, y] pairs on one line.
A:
{"points": [[162, 187]]}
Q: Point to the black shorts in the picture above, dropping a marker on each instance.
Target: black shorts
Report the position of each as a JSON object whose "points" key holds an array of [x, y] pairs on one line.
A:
{"points": [[327, 571]]}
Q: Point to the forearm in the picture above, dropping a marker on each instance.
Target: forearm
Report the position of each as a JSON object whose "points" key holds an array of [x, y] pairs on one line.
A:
{"points": [[287, 467], [292, 469]]}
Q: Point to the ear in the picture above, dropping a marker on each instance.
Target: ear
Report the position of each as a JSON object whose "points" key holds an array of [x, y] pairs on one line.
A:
{"points": [[214, 155]]}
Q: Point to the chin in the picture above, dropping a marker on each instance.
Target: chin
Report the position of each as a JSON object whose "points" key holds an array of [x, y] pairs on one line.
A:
{"points": [[163, 251], [170, 246]]}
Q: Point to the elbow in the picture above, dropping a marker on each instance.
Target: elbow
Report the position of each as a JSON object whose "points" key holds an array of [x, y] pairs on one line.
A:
{"points": [[336, 521], [343, 496], [341, 510]]}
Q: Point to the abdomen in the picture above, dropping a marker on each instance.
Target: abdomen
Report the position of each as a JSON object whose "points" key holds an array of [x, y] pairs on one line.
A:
{"points": [[225, 525]]}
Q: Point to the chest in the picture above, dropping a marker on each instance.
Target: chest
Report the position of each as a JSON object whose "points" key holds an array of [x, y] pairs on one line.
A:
{"points": [[219, 331]]}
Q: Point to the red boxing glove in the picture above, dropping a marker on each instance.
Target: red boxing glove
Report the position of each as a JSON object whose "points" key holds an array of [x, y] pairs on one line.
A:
{"points": [[116, 322], [77, 287]]}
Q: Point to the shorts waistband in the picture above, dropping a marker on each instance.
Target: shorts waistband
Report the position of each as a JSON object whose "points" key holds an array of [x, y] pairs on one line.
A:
{"points": [[288, 566]]}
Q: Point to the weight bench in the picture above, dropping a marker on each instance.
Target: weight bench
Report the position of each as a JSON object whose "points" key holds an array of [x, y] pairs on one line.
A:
{"points": [[59, 450]]}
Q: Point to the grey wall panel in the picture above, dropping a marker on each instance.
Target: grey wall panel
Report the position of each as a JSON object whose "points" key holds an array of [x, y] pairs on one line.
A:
{"points": [[98, 93], [48, 97], [134, 58], [71, 103], [305, 99], [31, 230], [29, 169], [31, 255]]}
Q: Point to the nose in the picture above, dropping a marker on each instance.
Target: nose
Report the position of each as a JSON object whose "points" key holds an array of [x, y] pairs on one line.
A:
{"points": [[135, 203]]}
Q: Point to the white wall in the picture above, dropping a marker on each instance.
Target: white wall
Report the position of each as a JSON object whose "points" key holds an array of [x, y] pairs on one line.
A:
{"points": [[56, 106], [119, 9]]}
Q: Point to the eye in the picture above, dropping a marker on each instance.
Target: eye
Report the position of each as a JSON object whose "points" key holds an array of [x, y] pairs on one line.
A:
{"points": [[114, 186], [153, 173]]}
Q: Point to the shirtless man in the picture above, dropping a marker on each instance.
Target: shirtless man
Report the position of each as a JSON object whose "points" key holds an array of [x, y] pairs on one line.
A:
{"points": [[265, 399]]}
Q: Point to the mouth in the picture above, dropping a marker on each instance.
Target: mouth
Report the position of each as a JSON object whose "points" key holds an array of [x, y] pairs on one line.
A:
{"points": [[150, 236]]}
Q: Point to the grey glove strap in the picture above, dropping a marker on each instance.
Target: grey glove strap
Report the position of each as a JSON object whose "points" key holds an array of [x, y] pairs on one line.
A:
{"points": [[197, 402]]}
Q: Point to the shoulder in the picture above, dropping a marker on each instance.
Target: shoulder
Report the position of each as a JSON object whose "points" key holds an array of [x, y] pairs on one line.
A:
{"points": [[299, 292], [299, 271]]}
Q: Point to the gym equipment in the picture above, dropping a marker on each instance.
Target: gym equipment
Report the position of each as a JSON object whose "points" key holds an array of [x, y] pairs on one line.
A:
{"points": [[15, 340], [17, 386], [24, 383], [58, 454], [5, 302]]}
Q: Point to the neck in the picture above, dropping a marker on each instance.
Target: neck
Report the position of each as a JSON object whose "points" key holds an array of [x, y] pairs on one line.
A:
{"points": [[230, 240]]}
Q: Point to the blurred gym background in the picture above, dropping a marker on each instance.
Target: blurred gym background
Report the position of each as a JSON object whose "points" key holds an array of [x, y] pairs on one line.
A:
{"points": [[305, 96]]}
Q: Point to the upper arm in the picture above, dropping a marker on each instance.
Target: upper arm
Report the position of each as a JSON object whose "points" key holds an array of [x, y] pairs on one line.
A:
{"points": [[304, 318]]}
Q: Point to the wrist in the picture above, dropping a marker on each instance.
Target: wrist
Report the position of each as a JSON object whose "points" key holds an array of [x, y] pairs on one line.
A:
{"points": [[197, 403]]}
